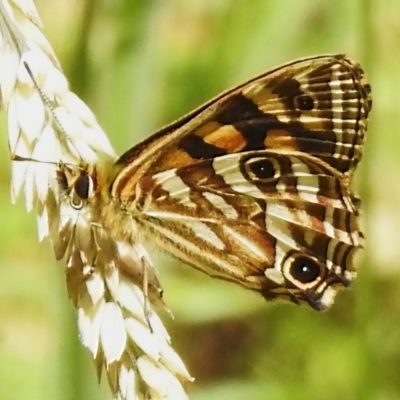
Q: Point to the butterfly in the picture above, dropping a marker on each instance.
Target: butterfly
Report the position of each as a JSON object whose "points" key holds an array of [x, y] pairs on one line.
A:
{"points": [[253, 187]]}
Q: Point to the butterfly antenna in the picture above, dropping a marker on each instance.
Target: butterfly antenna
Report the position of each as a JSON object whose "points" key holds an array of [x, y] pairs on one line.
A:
{"points": [[43, 96], [50, 107], [14, 157]]}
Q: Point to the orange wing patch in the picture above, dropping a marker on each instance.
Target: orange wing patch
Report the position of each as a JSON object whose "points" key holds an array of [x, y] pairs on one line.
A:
{"points": [[280, 139], [228, 138]]}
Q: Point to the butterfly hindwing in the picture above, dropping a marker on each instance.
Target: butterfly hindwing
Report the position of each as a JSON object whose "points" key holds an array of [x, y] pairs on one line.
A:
{"points": [[249, 217]]}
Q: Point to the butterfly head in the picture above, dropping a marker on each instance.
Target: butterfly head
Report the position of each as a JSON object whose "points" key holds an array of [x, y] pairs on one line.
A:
{"points": [[82, 184], [77, 183]]}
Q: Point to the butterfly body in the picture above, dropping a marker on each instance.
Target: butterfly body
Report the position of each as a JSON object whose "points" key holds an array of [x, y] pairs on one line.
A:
{"points": [[253, 187]]}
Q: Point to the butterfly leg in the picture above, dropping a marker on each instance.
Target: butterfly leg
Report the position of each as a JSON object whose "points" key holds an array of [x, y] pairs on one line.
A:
{"points": [[146, 308]]}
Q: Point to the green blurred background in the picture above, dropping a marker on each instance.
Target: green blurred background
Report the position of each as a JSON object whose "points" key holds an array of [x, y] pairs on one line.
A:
{"points": [[140, 64]]}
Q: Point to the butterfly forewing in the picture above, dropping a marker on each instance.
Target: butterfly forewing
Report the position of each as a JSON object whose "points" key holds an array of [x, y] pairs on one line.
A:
{"points": [[317, 105]]}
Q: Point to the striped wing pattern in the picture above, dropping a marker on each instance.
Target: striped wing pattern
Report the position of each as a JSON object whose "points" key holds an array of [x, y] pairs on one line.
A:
{"points": [[318, 106], [257, 218], [253, 187]]}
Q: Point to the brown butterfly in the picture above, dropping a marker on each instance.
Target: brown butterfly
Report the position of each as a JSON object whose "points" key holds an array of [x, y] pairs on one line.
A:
{"points": [[254, 187]]}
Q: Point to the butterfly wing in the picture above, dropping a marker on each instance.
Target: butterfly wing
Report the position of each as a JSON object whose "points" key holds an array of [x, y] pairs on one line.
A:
{"points": [[280, 223], [317, 105], [192, 188]]}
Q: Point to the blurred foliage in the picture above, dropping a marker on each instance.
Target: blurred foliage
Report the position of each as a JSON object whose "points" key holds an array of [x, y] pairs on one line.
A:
{"points": [[140, 64]]}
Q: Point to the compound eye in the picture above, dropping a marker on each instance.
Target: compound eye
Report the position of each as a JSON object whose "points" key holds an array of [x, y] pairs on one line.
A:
{"points": [[83, 187], [303, 270], [82, 190]]}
